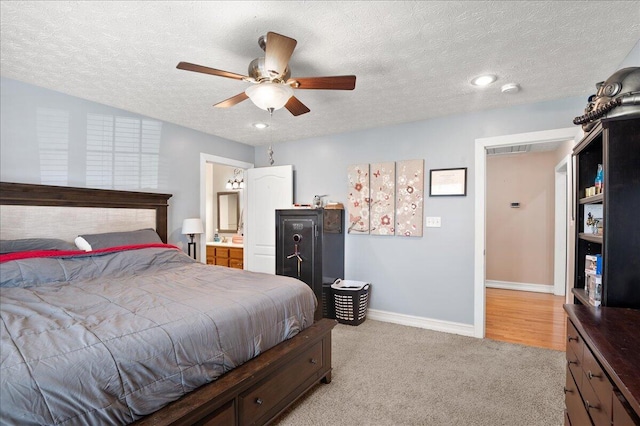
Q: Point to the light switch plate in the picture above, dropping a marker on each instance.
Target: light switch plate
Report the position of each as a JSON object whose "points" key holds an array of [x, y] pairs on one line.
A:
{"points": [[433, 222]]}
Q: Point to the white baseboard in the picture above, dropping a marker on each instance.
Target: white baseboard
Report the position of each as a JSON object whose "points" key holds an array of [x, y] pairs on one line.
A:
{"points": [[421, 322], [508, 285]]}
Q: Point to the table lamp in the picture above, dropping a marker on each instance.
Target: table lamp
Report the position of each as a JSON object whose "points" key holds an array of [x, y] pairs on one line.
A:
{"points": [[191, 227]]}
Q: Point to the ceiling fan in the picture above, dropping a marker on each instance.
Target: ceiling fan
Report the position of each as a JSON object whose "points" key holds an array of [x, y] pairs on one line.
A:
{"points": [[271, 77]]}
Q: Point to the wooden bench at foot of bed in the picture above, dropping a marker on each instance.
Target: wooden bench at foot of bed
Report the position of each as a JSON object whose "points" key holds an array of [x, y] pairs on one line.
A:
{"points": [[259, 390]]}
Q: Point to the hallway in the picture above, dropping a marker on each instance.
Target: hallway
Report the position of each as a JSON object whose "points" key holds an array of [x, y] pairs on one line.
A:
{"points": [[534, 319]]}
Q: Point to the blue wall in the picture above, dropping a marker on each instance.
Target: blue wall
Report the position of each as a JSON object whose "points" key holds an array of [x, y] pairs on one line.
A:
{"points": [[431, 276], [179, 148]]}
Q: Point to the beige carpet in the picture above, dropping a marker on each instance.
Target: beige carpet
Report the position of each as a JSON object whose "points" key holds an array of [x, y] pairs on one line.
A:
{"points": [[387, 374]]}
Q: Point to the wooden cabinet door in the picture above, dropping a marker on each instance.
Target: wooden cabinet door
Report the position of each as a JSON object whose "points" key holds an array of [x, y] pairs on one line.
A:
{"points": [[211, 255]]}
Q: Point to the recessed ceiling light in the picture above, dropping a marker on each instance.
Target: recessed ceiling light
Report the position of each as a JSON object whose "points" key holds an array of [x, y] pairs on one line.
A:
{"points": [[260, 125], [484, 80]]}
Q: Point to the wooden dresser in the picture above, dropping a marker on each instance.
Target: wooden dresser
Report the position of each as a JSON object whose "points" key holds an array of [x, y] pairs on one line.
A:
{"points": [[603, 366], [225, 255]]}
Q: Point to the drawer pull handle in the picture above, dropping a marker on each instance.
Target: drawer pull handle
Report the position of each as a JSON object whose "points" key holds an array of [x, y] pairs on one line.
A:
{"points": [[590, 375], [259, 401], [567, 390], [569, 362], [314, 361], [589, 406], [570, 338]]}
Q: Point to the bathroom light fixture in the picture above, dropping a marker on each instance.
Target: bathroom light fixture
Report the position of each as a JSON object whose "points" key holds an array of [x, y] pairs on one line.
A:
{"points": [[268, 95], [235, 182], [260, 125], [484, 80]]}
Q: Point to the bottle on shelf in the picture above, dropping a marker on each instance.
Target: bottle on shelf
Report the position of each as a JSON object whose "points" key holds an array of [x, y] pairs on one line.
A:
{"points": [[216, 237], [599, 179]]}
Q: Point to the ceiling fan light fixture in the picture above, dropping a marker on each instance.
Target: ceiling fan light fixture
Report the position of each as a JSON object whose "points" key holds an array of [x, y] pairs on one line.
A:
{"points": [[273, 87], [269, 95], [484, 80]]}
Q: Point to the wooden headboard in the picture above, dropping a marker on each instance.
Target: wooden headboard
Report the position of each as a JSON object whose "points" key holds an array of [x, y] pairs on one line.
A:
{"points": [[45, 195]]}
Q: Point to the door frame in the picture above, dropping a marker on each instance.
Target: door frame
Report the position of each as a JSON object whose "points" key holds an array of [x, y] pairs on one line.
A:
{"points": [[481, 145], [561, 226], [214, 159]]}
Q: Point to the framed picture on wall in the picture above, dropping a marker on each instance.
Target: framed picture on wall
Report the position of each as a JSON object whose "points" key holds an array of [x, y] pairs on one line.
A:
{"points": [[448, 182]]}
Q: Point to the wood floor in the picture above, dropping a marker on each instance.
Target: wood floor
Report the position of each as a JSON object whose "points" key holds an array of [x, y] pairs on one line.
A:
{"points": [[534, 319]]}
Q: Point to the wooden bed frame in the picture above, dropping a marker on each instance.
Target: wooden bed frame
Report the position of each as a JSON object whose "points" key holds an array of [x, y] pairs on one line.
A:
{"points": [[254, 393]]}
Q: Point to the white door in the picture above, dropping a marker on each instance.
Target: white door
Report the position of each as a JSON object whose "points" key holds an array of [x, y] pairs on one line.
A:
{"points": [[268, 189]]}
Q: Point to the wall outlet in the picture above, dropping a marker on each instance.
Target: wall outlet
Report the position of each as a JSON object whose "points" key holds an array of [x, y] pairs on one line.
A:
{"points": [[433, 222]]}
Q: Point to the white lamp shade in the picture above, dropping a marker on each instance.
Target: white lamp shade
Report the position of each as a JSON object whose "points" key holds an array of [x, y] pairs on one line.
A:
{"points": [[269, 95], [192, 226]]}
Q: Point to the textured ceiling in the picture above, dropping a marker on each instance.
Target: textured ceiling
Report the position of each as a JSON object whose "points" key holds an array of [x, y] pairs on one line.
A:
{"points": [[413, 60]]}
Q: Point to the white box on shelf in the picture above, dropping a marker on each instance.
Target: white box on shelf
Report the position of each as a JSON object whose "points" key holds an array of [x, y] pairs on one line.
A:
{"points": [[593, 286], [593, 263]]}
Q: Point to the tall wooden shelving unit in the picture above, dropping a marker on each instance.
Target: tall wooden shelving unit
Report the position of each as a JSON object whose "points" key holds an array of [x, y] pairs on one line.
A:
{"points": [[616, 145]]}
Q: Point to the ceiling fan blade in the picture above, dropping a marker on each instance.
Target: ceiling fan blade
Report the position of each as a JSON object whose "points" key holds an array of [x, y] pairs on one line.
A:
{"points": [[206, 70], [296, 107], [338, 82], [277, 53], [232, 100]]}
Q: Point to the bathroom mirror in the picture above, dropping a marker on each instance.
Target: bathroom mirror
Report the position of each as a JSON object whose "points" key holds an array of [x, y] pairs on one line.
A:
{"points": [[228, 212]]}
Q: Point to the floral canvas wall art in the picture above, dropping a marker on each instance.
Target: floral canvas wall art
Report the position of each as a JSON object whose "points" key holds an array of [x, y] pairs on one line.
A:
{"points": [[382, 205], [409, 197], [358, 201]]}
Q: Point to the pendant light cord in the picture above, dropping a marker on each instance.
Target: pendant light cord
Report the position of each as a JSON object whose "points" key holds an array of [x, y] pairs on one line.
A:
{"points": [[270, 150]]}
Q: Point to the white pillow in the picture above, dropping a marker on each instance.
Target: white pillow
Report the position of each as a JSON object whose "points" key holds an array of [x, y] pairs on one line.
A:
{"points": [[82, 244]]}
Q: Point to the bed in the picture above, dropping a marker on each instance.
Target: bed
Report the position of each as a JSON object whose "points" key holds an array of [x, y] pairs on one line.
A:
{"points": [[142, 333]]}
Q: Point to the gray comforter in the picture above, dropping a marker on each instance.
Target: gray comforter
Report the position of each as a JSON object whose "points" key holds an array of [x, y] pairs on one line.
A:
{"points": [[109, 338]]}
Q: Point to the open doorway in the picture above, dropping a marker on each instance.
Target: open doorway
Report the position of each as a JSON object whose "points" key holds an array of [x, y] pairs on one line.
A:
{"points": [[528, 214], [568, 136], [215, 173], [526, 244]]}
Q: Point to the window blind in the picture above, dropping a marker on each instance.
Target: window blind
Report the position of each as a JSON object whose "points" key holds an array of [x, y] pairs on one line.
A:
{"points": [[122, 152], [53, 145]]}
